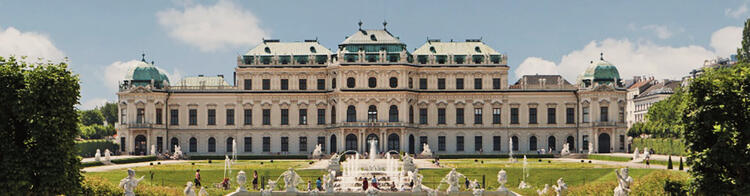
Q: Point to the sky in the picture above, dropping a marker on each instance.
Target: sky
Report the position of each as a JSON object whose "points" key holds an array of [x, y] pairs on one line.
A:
{"points": [[103, 39]]}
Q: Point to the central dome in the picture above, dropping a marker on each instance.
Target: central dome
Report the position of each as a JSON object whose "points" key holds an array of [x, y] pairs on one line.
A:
{"points": [[143, 73], [601, 72]]}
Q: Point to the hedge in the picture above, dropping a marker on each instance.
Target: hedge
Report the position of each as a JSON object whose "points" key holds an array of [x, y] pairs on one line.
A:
{"points": [[121, 161], [247, 157], [501, 156], [87, 148], [661, 145]]}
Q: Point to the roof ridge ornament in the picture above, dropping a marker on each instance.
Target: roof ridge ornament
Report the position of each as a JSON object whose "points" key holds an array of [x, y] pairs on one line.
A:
{"points": [[360, 24], [385, 23], [143, 57], [601, 56]]}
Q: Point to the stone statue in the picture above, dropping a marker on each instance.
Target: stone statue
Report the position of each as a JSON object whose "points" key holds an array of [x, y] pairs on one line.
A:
{"points": [[291, 179], [203, 192], [543, 191], [452, 179], [560, 188], [646, 153], [106, 155], [189, 189], [153, 149], [565, 150], [333, 163], [476, 188], [241, 180], [417, 179], [177, 152], [129, 183], [328, 181], [426, 152], [408, 164], [502, 178], [624, 181], [591, 147], [317, 152], [98, 155], [635, 154]]}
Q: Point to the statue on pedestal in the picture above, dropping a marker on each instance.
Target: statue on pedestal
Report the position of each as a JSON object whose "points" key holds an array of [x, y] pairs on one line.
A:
{"points": [[624, 181], [203, 192], [426, 152], [189, 189], [106, 155], [452, 179], [241, 179], [560, 188], [291, 179], [129, 183], [502, 178], [417, 179], [329, 179], [98, 155]]}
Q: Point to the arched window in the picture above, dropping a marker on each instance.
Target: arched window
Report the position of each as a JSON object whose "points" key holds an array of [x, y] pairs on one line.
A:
{"points": [[372, 114], [393, 82], [351, 142], [350, 82], [333, 114], [351, 114], [230, 142], [411, 114], [333, 83], [393, 143], [411, 83], [372, 82], [515, 142], [571, 143], [551, 143], [173, 143], [393, 113], [532, 143], [211, 144], [193, 145]]}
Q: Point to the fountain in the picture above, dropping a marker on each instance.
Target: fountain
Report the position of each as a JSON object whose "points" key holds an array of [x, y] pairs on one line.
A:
{"points": [[525, 174], [227, 166], [129, 183], [560, 188], [426, 152], [354, 169], [329, 181], [510, 149], [317, 152], [234, 150], [417, 179], [98, 155], [565, 150], [452, 180]]}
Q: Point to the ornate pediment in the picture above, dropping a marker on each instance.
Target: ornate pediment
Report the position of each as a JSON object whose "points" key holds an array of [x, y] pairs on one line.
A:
{"points": [[603, 88]]}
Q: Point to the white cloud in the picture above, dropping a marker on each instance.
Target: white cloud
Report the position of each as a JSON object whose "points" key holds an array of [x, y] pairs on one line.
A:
{"points": [[726, 40], [32, 44], [115, 73], [536, 65], [213, 27], [737, 12], [661, 31], [639, 58], [92, 103]]}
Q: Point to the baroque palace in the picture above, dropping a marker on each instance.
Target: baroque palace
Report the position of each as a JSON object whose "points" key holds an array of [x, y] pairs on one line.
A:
{"points": [[287, 97]]}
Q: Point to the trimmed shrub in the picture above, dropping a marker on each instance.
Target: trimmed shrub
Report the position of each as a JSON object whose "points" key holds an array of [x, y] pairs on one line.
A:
{"points": [[669, 163], [134, 160], [87, 148], [661, 145], [681, 168]]}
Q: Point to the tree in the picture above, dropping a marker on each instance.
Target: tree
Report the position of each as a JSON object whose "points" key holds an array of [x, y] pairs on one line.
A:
{"points": [[109, 110], [681, 168], [718, 140], [38, 125], [743, 53], [664, 117], [669, 163], [90, 117]]}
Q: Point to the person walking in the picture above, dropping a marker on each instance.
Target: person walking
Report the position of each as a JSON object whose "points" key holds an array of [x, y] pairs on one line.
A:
{"points": [[197, 180], [319, 184], [364, 184], [467, 183], [255, 179]]}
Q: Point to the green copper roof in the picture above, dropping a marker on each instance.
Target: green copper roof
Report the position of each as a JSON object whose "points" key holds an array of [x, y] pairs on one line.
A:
{"points": [[143, 73], [601, 72], [288, 48], [454, 48]]}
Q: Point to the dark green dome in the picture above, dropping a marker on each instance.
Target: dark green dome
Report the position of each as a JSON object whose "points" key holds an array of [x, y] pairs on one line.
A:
{"points": [[601, 72], [143, 73]]}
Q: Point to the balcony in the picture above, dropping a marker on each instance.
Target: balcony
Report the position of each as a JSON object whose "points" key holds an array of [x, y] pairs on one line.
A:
{"points": [[372, 124], [608, 124], [143, 125]]}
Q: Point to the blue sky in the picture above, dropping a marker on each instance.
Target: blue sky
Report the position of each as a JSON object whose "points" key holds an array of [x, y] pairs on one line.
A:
{"points": [[664, 39]]}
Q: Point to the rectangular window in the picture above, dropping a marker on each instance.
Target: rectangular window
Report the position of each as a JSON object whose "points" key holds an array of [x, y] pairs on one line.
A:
{"points": [[423, 83], [123, 116], [441, 116], [211, 116], [585, 114], [441, 83], [532, 116], [248, 117], [248, 84], [621, 116], [174, 117], [302, 116], [496, 143], [266, 144], [302, 84], [495, 83], [193, 117], [459, 83], [284, 84], [159, 143], [570, 115], [513, 115], [266, 116], [496, 115], [441, 143], [322, 142], [140, 116], [478, 144], [604, 114], [459, 116], [284, 116], [459, 143], [230, 116], [321, 84], [284, 144], [478, 116], [422, 141], [622, 142], [303, 144], [321, 116], [122, 143], [423, 116], [478, 83], [266, 84], [248, 144], [585, 142], [158, 116], [551, 116]]}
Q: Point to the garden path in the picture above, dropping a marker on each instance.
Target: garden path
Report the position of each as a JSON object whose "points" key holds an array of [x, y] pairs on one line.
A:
{"points": [[128, 165]]}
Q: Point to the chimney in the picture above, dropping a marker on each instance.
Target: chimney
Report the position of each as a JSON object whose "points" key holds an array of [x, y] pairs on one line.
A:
{"points": [[220, 75], [201, 75]]}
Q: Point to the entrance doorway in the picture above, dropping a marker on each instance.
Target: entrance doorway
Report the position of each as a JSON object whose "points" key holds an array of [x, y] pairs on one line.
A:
{"points": [[140, 145], [604, 143]]}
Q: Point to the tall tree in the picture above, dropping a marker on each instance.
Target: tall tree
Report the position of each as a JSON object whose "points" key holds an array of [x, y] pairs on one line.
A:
{"points": [[743, 53], [38, 125], [717, 118], [109, 110], [90, 117]]}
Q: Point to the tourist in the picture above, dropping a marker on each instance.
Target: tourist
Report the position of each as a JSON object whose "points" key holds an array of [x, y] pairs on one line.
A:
{"points": [[255, 179], [364, 184], [319, 184], [309, 187], [225, 183], [375, 182], [197, 180], [467, 183], [393, 187], [411, 184]]}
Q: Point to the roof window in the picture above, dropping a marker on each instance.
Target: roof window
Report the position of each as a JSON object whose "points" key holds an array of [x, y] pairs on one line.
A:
{"points": [[312, 49], [477, 49], [267, 49], [372, 37]]}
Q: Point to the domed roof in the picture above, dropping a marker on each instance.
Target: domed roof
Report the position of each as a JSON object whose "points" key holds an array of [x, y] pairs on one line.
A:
{"points": [[143, 73], [601, 72]]}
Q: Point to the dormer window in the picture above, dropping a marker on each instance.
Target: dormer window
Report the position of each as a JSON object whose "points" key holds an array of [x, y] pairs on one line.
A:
{"points": [[432, 49], [267, 49], [372, 37], [312, 49], [477, 49]]}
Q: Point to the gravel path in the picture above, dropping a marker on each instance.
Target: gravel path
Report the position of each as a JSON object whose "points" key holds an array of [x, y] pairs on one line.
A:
{"points": [[104, 168]]}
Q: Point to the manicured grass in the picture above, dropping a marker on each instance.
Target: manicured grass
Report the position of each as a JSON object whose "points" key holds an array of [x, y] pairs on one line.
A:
{"points": [[609, 158]]}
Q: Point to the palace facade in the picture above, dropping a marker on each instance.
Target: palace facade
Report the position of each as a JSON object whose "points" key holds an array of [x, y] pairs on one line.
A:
{"points": [[287, 97]]}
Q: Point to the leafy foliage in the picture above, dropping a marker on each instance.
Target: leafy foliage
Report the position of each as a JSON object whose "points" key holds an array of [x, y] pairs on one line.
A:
{"points": [[670, 146], [38, 125], [664, 118], [718, 117], [92, 117], [743, 53], [87, 148], [109, 111], [96, 131]]}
